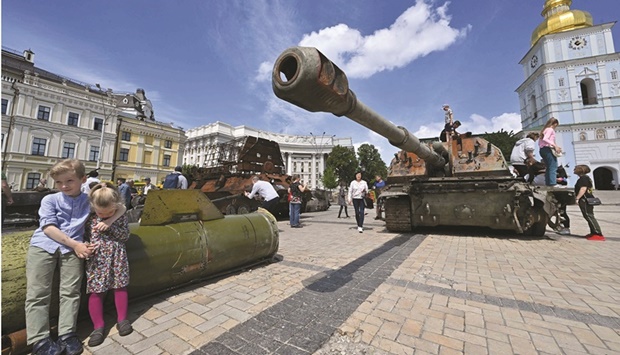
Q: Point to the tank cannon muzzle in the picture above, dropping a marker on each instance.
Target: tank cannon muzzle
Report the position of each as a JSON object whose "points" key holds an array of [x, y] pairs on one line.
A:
{"points": [[306, 78]]}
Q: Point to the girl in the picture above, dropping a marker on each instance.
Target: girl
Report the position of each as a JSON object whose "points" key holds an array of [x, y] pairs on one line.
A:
{"points": [[108, 267], [294, 207], [583, 189], [549, 150], [342, 197], [357, 191]]}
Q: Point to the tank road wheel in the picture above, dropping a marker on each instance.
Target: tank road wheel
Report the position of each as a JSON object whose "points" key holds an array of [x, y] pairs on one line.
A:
{"points": [[230, 209], [243, 209], [398, 214], [539, 227]]}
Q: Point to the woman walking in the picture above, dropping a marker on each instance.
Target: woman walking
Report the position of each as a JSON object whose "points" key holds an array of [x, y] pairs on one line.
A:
{"points": [[295, 189], [357, 191], [549, 150], [583, 190]]}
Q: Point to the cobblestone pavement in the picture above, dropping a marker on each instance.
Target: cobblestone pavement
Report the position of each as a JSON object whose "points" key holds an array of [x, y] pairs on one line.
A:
{"points": [[333, 290]]}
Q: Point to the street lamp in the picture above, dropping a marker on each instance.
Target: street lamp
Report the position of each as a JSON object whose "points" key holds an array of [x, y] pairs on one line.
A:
{"points": [[105, 122]]}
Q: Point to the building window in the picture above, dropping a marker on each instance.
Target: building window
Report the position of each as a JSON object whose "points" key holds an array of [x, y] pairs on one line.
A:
{"points": [[588, 91], [98, 124], [38, 146], [44, 113], [166, 160], [73, 119], [32, 180], [5, 106], [614, 76], [168, 143], [561, 81], [68, 150], [93, 155], [126, 136], [124, 154]]}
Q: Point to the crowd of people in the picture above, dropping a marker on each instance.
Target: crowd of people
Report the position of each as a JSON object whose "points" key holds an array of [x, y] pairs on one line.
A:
{"points": [[547, 172]]}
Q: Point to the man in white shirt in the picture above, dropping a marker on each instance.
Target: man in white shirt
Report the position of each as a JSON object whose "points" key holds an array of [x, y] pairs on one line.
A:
{"points": [[265, 190], [148, 186], [92, 178]]}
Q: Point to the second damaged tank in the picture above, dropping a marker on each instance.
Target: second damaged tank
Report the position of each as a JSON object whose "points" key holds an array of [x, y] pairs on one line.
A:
{"points": [[462, 182], [230, 167]]}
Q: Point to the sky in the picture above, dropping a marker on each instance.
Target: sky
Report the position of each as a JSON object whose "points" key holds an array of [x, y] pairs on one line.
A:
{"points": [[202, 61]]}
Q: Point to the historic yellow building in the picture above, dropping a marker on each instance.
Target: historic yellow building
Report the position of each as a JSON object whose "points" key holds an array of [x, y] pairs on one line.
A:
{"points": [[145, 147]]}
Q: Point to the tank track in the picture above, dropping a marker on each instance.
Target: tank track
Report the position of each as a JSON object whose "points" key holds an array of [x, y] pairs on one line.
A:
{"points": [[398, 214]]}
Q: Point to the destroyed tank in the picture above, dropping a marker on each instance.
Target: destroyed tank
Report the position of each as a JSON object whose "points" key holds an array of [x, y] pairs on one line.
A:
{"points": [[464, 182], [231, 166]]}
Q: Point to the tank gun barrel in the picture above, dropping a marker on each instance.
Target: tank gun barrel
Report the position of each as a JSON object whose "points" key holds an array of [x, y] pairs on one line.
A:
{"points": [[306, 78]]}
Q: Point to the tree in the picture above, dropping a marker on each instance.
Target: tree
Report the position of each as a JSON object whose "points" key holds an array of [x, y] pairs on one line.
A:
{"points": [[343, 163], [329, 179], [370, 162], [505, 141]]}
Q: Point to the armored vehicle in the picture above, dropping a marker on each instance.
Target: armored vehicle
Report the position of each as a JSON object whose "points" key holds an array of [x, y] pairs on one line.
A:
{"points": [[462, 182], [230, 167], [181, 238]]}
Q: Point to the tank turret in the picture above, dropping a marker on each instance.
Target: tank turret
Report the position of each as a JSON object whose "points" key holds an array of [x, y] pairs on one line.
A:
{"points": [[463, 182]]}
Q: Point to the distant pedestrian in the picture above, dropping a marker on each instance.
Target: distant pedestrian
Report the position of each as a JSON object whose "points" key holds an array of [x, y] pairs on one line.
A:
{"points": [[378, 187], [448, 116], [342, 199], [126, 193], [549, 150], [295, 189], [583, 190], [92, 180], [148, 186], [175, 180], [7, 195], [523, 150], [357, 192]]}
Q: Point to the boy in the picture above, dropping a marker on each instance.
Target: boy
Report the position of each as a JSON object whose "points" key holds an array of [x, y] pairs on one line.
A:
{"points": [[58, 242]]}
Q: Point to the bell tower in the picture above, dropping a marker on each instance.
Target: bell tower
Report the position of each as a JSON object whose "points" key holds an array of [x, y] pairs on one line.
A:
{"points": [[572, 73]]}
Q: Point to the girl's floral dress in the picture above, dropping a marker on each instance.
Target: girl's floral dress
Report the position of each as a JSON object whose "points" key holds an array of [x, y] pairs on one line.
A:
{"points": [[108, 267]]}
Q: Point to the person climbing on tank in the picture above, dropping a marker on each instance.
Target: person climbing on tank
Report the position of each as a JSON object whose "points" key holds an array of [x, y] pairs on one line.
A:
{"points": [[523, 150]]}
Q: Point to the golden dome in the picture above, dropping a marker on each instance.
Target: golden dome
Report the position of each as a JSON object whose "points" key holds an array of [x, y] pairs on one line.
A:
{"points": [[559, 18]]}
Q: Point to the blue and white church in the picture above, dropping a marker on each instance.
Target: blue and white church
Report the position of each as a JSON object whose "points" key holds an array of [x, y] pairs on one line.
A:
{"points": [[572, 73]]}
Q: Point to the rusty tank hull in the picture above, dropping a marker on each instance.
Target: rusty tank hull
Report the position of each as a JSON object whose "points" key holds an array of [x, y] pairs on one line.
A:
{"points": [[229, 170], [462, 182], [181, 238]]}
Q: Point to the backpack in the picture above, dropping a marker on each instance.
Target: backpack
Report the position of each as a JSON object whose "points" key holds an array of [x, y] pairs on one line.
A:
{"points": [[171, 181]]}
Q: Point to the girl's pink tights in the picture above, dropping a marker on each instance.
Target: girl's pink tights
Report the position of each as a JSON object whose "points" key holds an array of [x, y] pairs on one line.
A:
{"points": [[95, 306]]}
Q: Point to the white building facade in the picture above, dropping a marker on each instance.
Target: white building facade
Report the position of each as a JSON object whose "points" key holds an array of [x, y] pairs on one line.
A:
{"points": [[303, 155], [573, 74]]}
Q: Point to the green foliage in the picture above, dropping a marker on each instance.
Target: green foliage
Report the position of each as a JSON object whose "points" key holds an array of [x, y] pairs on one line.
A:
{"points": [[329, 178], [505, 141], [370, 162], [343, 163]]}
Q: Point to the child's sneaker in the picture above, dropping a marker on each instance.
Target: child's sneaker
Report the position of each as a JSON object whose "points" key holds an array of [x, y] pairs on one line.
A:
{"points": [[71, 343], [596, 237], [47, 347]]}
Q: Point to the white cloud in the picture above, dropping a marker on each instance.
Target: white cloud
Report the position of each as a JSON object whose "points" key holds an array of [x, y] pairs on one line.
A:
{"points": [[418, 31]]}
